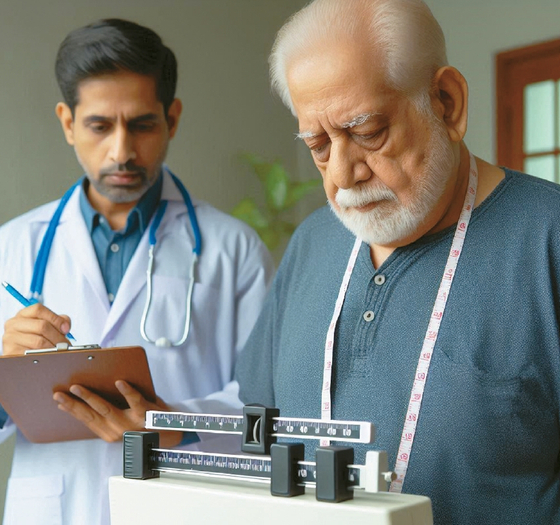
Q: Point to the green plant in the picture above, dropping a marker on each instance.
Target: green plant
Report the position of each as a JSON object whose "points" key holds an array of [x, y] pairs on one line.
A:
{"points": [[280, 194]]}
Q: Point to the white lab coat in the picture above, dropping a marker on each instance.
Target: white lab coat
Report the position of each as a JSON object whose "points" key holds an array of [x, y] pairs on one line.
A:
{"points": [[66, 483]]}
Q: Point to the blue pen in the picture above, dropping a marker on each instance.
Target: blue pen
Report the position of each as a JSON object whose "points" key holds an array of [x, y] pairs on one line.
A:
{"points": [[26, 302]]}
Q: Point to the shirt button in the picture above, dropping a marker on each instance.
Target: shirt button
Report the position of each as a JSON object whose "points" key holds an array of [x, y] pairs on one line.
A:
{"points": [[111, 297], [368, 316], [114, 248], [101, 220], [379, 279]]}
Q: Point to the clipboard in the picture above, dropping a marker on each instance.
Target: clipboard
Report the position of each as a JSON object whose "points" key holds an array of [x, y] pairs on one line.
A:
{"points": [[28, 382]]}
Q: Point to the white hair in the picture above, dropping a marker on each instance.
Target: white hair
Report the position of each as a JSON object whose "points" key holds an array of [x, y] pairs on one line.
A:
{"points": [[406, 33]]}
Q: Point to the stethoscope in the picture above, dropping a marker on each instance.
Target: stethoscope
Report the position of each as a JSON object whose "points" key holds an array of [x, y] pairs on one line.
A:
{"points": [[42, 258]]}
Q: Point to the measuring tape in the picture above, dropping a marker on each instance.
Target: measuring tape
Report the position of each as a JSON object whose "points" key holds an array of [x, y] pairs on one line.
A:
{"points": [[421, 374], [329, 343]]}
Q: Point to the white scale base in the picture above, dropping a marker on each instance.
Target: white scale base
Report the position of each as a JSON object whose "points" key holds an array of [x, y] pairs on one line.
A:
{"points": [[193, 499]]}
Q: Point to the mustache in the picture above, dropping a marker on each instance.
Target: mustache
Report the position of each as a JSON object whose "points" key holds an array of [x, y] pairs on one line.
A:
{"points": [[128, 167], [354, 198]]}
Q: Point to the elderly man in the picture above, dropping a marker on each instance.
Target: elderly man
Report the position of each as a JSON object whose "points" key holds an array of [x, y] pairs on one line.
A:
{"points": [[426, 299]]}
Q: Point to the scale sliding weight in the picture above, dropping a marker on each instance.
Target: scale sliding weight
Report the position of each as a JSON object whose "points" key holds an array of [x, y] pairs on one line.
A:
{"points": [[333, 474]]}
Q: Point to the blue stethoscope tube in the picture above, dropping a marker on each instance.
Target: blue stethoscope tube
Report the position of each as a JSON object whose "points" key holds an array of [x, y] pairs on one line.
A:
{"points": [[43, 256]]}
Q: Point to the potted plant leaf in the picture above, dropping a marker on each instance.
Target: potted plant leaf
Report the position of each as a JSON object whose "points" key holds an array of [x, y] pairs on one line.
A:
{"points": [[280, 193]]}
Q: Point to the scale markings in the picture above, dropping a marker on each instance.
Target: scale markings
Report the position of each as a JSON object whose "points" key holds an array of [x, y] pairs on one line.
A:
{"points": [[194, 422], [216, 463], [348, 431], [317, 429], [235, 465]]}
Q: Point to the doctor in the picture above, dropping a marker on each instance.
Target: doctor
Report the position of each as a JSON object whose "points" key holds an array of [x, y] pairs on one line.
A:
{"points": [[119, 114]]}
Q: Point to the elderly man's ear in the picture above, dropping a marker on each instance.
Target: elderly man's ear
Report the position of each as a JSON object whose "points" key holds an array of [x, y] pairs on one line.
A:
{"points": [[451, 101]]}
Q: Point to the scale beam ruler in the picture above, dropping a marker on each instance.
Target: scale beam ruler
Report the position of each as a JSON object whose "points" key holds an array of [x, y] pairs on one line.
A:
{"points": [[252, 468], [333, 474], [347, 431], [262, 425]]}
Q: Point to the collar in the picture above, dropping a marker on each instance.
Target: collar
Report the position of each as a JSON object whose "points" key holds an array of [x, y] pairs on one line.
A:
{"points": [[139, 215]]}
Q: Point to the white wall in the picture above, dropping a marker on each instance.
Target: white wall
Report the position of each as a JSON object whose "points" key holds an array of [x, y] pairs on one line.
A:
{"points": [[475, 31]]}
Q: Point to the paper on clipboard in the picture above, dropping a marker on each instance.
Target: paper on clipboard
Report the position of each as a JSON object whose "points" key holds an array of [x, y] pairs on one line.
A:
{"points": [[28, 382]]}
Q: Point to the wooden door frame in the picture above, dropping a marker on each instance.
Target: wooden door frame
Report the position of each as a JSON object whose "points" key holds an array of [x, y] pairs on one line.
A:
{"points": [[509, 95]]}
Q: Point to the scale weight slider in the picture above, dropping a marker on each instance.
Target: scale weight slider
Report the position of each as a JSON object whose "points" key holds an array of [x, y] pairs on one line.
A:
{"points": [[137, 447], [258, 429], [284, 479], [332, 473]]}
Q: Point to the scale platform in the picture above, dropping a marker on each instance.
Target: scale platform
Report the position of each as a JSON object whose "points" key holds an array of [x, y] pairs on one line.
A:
{"points": [[188, 500]]}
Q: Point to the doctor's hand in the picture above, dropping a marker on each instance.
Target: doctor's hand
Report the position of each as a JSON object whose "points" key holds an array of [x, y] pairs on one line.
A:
{"points": [[108, 421], [32, 328]]}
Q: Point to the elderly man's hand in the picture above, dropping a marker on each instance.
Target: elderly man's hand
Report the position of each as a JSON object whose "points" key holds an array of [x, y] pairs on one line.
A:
{"points": [[34, 327], [108, 421]]}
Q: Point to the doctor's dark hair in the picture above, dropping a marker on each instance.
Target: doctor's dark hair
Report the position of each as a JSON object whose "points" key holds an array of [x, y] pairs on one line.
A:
{"points": [[110, 46]]}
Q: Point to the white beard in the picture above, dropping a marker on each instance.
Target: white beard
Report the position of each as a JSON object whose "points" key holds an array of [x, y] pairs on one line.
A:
{"points": [[391, 221]]}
